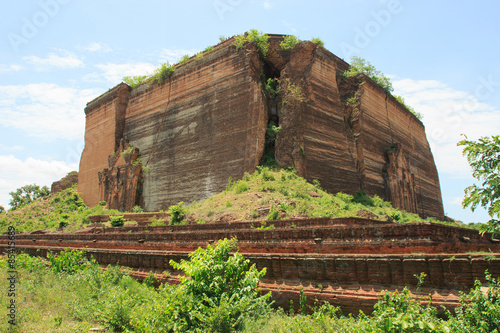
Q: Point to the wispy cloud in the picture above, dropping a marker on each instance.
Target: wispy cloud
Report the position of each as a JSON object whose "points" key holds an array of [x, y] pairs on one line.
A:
{"points": [[289, 26], [96, 47], [448, 113], [174, 55], [16, 173], [268, 4], [45, 110], [10, 68], [64, 61]]}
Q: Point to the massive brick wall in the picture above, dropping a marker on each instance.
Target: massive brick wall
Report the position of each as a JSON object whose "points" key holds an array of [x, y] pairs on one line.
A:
{"points": [[103, 131], [208, 123]]}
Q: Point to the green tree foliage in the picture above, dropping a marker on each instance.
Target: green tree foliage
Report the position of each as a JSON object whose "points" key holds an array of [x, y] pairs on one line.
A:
{"points": [[253, 36], [2, 209], [134, 81], [359, 65], [289, 42], [26, 195], [117, 220], [177, 213], [484, 158], [223, 284], [318, 42], [69, 261]]}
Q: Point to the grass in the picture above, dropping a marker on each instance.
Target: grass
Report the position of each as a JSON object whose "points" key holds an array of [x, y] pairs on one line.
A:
{"points": [[289, 196], [48, 213], [51, 299]]}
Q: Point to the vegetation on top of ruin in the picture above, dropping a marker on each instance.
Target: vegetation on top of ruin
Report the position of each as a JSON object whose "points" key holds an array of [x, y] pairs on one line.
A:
{"points": [[271, 194], [267, 194], [361, 66], [483, 156], [63, 209]]}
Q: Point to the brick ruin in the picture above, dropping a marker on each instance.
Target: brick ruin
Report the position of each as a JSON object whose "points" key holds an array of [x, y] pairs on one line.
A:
{"points": [[208, 122], [346, 261], [159, 144]]}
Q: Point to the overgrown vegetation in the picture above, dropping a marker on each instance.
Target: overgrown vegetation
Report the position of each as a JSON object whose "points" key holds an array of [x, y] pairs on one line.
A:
{"points": [[253, 36], [134, 81], [26, 195], [177, 213], [48, 213], [292, 197], [289, 42], [219, 293], [318, 42], [359, 65]]}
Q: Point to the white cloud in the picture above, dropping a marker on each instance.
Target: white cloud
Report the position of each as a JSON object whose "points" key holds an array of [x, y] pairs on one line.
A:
{"points": [[65, 61], [16, 173], [267, 4], [289, 26], [96, 47], [447, 114], [45, 110], [113, 73], [10, 68], [174, 55]]}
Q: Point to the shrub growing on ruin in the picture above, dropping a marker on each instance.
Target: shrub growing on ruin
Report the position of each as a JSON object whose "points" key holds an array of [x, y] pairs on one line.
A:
{"points": [[253, 36], [117, 221], [177, 213], [134, 81], [289, 42], [318, 42], [163, 73]]}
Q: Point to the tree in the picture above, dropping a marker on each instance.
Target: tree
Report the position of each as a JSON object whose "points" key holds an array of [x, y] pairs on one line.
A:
{"points": [[26, 195], [484, 158], [2, 210]]}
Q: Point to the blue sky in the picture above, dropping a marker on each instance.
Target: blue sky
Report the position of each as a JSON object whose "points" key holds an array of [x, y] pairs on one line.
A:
{"points": [[56, 55]]}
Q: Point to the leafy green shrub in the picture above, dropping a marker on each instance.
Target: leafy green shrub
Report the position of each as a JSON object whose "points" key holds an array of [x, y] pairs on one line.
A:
{"points": [[134, 81], [479, 311], [363, 198], [359, 65], [63, 224], [208, 49], [184, 59], [163, 73], [69, 261], [273, 214], [137, 209], [117, 220], [177, 213], [412, 110], [254, 36], [102, 203], [241, 186], [399, 312], [318, 42], [289, 42], [223, 285]]}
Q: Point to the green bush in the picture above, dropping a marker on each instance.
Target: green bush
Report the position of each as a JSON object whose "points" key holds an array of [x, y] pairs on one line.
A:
{"points": [[137, 209], [363, 198], [163, 73], [69, 261], [177, 213], [318, 42], [117, 220], [134, 81], [289, 42], [254, 36], [479, 311]]}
